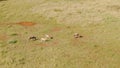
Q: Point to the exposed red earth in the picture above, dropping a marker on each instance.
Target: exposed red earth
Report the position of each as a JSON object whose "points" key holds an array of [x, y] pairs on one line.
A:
{"points": [[26, 23], [3, 37], [56, 29]]}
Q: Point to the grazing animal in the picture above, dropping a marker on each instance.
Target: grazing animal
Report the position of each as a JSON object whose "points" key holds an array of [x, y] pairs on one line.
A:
{"points": [[44, 39], [48, 36], [76, 35], [33, 38]]}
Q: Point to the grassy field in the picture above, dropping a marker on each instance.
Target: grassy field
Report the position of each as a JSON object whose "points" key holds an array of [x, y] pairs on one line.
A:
{"points": [[98, 21]]}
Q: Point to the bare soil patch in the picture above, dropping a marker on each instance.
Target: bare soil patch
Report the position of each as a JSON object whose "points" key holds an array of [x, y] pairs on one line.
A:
{"points": [[56, 29], [42, 44], [3, 37], [26, 23]]}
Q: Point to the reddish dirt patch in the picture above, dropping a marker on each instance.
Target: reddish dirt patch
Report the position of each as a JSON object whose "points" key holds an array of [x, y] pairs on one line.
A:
{"points": [[55, 43], [56, 29], [42, 44], [3, 37], [26, 23]]}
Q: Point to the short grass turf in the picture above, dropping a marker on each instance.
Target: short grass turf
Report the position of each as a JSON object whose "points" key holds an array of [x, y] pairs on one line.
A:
{"points": [[97, 21]]}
